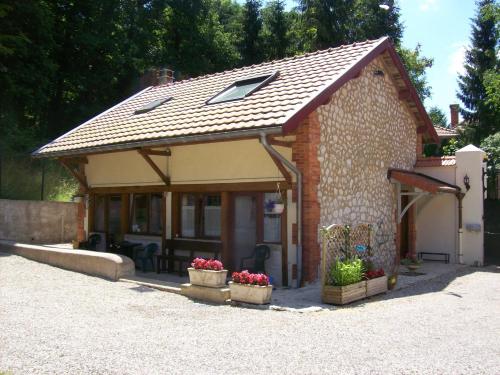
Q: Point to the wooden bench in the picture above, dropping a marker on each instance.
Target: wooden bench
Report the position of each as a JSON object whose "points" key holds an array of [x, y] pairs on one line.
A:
{"points": [[183, 252], [446, 256]]}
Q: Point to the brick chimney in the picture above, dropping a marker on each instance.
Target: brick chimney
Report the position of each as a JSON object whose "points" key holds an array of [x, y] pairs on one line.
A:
{"points": [[155, 76], [454, 108]]}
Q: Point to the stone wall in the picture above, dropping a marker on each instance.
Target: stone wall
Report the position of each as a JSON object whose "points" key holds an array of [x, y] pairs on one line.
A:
{"points": [[365, 130], [37, 221]]}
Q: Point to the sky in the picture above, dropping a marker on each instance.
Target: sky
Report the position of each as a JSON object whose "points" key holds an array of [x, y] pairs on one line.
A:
{"points": [[443, 29]]}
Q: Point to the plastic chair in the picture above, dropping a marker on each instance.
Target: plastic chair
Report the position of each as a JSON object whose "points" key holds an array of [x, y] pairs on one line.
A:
{"points": [[92, 242], [260, 254], [145, 255]]}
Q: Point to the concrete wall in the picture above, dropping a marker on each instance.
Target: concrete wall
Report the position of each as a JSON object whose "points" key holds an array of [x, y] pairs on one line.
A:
{"points": [[437, 217], [38, 221]]}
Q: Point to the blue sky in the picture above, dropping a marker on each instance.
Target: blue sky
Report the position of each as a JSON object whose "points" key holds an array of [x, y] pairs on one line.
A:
{"points": [[442, 27]]}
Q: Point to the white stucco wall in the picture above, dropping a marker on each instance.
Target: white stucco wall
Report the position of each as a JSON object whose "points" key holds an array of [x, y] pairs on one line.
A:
{"points": [[437, 217], [219, 162]]}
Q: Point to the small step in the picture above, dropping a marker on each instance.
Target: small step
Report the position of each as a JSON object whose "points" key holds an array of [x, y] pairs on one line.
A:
{"points": [[215, 295], [164, 286]]}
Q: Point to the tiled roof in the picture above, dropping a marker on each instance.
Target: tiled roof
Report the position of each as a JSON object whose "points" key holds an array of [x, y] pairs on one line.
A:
{"points": [[299, 84], [444, 133], [436, 161]]}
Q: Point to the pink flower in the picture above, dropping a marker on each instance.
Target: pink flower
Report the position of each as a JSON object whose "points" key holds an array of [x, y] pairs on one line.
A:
{"points": [[204, 264], [245, 277]]}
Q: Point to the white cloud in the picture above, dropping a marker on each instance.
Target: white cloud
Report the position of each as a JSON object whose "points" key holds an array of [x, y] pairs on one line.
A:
{"points": [[426, 5], [457, 58]]}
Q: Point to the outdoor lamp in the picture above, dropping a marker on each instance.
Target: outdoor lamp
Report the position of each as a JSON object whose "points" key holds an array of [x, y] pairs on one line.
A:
{"points": [[467, 182]]}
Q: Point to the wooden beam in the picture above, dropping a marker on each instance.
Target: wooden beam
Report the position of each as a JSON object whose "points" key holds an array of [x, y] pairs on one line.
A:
{"points": [[276, 142], [77, 160], [421, 129], [404, 95], [157, 152], [76, 173], [232, 187], [281, 167], [269, 186], [152, 164]]}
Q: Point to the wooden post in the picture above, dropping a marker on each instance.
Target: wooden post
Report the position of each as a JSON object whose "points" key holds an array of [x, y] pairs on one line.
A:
{"points": [[225, 230]]}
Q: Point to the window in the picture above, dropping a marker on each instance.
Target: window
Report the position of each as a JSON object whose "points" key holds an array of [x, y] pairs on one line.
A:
{"points": [[152, 105], [99, 213], [241, 89], [147, 213], [200, 215], [272, 220]]}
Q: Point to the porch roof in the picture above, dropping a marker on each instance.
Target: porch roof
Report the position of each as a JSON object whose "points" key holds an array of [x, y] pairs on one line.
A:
{"points": [[302, 84], [422, 181]]}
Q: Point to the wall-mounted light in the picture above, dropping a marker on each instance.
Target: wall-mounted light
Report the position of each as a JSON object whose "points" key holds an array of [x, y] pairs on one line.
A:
{"points": [[467, 182], [77, 198], [379, 73]]}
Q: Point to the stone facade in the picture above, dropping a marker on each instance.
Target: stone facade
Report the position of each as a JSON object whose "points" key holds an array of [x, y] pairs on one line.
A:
{"points": [[365, 130]]}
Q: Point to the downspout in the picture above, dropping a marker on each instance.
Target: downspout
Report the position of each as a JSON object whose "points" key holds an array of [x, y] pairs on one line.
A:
{"points": [[298, 175], [460, 255]]}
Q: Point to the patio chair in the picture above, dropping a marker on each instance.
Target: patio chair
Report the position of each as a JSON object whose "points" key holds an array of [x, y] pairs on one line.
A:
{"points": [[145, 255], [92, 242], [260, 254]]}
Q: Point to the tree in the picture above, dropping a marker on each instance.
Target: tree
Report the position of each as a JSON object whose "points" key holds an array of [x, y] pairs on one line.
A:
{"points": [[275, 30], [438, 117], [372, 21], [329, 22], [481, 59], [416, 66], [250, 45]]}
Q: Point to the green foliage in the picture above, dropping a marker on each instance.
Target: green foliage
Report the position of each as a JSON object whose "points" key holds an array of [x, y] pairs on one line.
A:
{"points": [[451, 146], [250, 46], [416, 65], [491, 145], [478, 87], [346, 272], [438, 117], [275, 30]]}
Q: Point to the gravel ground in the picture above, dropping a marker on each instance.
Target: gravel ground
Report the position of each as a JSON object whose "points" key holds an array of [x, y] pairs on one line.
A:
{"points": [[54, 321]]}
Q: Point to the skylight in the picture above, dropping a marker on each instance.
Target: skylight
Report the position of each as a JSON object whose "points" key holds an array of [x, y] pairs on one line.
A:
{"points": [[241, 89], [152, 105]]}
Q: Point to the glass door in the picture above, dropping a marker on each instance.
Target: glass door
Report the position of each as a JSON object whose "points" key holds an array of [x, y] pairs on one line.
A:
{"points": [[245, 227]]}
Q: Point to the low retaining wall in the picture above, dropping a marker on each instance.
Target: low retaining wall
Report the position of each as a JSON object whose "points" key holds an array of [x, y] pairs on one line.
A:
{"points": [[107, 265], [38, 221]]}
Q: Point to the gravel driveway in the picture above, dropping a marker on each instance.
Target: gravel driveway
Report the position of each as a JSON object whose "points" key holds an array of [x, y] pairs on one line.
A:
{"points": [[54, 321]]}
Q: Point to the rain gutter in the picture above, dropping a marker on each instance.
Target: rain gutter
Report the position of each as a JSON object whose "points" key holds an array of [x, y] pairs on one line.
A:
{"points": [[298, 174]]}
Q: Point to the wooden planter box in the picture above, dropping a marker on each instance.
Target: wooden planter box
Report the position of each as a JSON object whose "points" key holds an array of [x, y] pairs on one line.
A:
{"points": [[256, 294], [341, 295], [376, 286], [208, 278]]}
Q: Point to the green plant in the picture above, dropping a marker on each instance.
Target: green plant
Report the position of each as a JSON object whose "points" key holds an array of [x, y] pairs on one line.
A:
{"points": [[346, 272], [410, 259]]}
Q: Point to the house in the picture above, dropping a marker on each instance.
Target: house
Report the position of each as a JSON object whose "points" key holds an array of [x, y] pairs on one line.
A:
{"points": [[335, 134]]}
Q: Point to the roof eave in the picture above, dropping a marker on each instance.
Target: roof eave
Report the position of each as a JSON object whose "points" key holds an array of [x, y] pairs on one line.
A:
{"points": [[179, 140]]}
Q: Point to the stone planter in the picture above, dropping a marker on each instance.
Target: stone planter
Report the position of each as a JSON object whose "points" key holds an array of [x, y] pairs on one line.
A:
{"points": [[255, 294], [208, 278], [376, 286], [341, 295]]}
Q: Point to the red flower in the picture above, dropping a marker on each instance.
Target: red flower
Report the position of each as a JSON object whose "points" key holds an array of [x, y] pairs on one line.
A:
{"points": [[204, 264], [245, 277]]}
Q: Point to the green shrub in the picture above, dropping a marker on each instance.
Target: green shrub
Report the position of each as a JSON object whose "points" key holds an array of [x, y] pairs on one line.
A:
{"points": [[346, 272]]}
